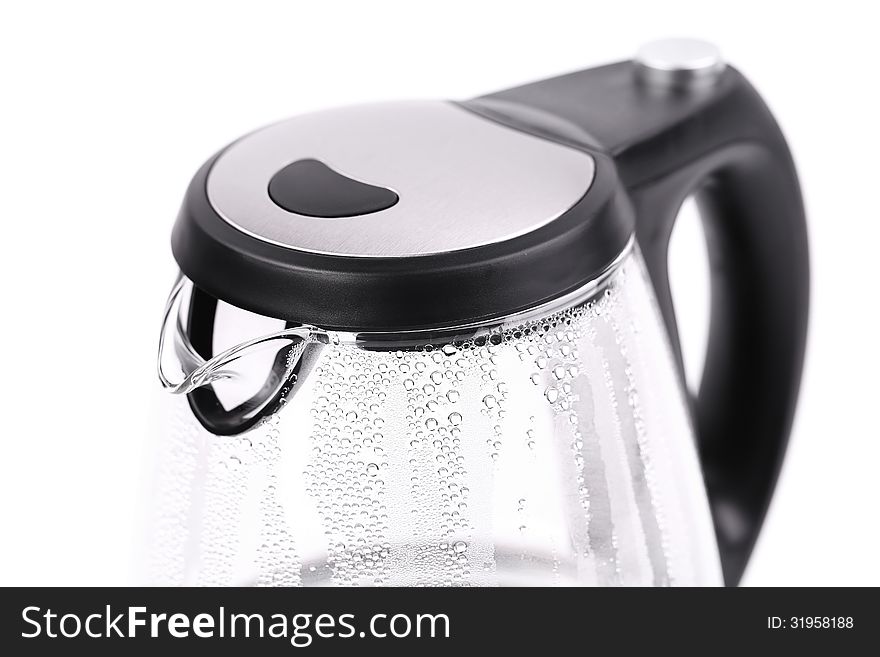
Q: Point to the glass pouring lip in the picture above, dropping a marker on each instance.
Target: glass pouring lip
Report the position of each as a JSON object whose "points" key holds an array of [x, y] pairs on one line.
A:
{"points": [[197, 370]]}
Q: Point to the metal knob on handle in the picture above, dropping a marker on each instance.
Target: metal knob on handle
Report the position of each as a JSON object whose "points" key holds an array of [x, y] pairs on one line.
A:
{"points": [[679, 62]]}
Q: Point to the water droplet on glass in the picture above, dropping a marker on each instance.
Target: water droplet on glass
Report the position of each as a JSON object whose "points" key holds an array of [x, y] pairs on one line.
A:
{"points": [[372, 469], [449, 349], [453, 396], [459, 547], [490, 401], [455, 418], [431, 423], [552, 394]]}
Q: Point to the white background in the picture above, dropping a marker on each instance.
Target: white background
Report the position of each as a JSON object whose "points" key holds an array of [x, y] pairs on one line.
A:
{"points": [[106, 110]]}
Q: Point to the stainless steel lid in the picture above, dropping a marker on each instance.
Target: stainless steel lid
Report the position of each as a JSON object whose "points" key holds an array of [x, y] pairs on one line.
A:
{"points": [[461, 181]]}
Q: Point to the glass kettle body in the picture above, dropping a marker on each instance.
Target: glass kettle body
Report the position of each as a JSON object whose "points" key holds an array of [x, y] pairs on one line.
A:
{"points": [[433, 343], [553, 448]]}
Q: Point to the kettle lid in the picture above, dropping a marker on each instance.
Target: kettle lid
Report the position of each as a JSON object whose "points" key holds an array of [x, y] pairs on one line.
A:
{"points": [[400, 216]]}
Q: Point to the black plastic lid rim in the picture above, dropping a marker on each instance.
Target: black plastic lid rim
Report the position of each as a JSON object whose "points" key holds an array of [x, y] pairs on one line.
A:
{"points": [[341, 293]]}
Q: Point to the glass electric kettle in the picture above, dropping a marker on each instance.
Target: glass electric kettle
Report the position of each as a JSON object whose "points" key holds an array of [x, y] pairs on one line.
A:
{"points": [[433, 343]]}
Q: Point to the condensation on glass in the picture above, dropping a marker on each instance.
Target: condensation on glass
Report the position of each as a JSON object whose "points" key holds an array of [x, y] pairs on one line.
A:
{"points": [[557, 451]]}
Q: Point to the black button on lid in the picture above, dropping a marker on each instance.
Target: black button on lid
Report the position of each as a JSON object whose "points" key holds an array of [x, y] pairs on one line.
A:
{"points": [[311, 188]]}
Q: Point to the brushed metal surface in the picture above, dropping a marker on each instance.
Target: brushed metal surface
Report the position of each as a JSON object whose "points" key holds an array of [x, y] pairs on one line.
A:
{"points": [[680, 62], [463, 180]]}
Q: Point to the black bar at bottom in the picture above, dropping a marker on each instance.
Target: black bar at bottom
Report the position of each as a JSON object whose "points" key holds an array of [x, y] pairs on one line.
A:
{"points": [[431, 621]]}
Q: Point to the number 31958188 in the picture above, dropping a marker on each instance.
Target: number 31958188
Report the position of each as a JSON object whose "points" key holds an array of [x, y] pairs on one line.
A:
{"points": [[810, 622]]}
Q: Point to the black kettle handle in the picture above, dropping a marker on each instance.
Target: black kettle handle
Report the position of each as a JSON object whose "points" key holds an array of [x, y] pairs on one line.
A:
{"points": [[714, 138]]}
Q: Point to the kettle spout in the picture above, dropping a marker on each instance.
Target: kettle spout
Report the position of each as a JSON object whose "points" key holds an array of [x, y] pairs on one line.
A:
{"points": [[182, 370]]}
